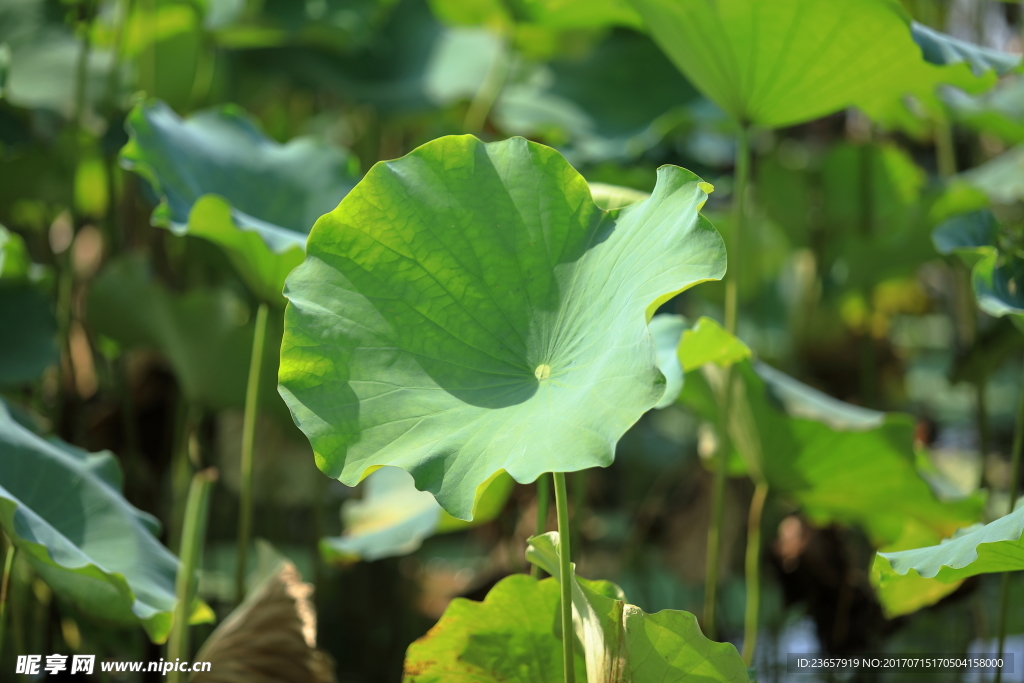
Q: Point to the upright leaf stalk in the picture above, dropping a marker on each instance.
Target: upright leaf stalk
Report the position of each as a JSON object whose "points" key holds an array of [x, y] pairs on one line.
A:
{"points": [[742, 177], [543, 493], [753, 572], [565, 576], [190, 558], [252, 395]]}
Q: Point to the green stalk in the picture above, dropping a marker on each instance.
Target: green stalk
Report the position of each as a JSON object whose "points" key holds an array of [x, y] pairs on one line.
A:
{"points": [[5, 583], [753, 572], [252, 395], [1004, 589], [565, 577], [190, 558], [739, 208], [742, 177], [542, 515]]}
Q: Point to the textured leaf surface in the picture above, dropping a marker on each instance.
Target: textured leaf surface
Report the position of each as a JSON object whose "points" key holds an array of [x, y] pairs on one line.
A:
{"points": [[221, 178], [394, 518], [64, 510], [467, 309], [786, 61], [623, 643], [511, 637], [982, 549]]}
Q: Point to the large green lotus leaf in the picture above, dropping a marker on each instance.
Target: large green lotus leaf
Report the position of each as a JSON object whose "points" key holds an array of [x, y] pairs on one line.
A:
{"points": [[394, 518], [467, 309], [997, 281], [63, 508], [623, 643], [219, 177], [206, 334], [981, 549], [513, 636], [783, 62]]}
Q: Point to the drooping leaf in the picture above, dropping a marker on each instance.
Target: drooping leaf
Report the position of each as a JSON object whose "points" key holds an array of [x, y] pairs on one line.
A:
{"points": [[467, 309], [63, 508], [842, 464], [394, 518], [206, 334], [623, 643], [512, 636], [271, 636], [942, 49], [220, 178], [981, 549], [783, 62]]}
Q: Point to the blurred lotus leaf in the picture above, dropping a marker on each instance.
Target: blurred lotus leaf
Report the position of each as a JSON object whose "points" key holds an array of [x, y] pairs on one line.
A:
{"points": [[997, 274], [942, 49], [552, 14], [980, 549], [616, 101], [28, 348], [999, 112], [1001, 179], [205, 334], [446, 322], [271, 636], [666, 328], [107, 563], [842, 464], [220, 178], [393, 518], [779, 63]]}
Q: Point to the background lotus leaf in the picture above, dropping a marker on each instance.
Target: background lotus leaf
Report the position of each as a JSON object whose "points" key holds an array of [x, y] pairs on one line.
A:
{"points": [[219, 177], [393, 518], [108, 562], [784, 62]]}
